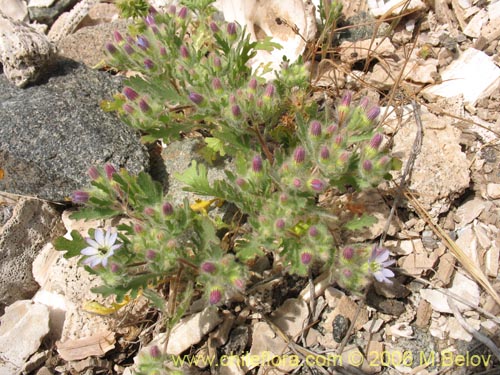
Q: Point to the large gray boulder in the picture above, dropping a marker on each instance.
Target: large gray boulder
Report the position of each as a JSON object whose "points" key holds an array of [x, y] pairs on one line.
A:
{"points": [[52, 133]]}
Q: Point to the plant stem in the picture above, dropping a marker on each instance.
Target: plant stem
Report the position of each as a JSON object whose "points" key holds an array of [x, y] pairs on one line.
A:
{"points": [[263, 144]]}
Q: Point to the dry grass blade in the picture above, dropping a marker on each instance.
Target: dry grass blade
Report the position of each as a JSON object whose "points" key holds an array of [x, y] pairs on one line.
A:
{"points": [[467, 264]]}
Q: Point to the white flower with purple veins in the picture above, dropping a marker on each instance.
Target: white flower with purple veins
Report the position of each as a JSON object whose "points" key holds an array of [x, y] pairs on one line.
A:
{"points": [[101, 247], [378, 264]]}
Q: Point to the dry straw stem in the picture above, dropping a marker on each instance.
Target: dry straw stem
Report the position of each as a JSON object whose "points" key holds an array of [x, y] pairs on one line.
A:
{"points": [[467, 264]]}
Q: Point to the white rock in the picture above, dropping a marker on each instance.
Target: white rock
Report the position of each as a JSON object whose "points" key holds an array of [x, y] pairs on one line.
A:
{"points": [[400, 330], [491, 261], [262, 18], [40, 3], [473, 74], [467, 241], [191, 330], [15, 9], [493, 190], [351, 52], [22, 328], [469, 211], [377, 11], [473, 28]]}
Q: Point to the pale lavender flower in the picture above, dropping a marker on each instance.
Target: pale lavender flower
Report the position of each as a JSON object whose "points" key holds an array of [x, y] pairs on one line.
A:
{"points": [[378, 264], [100, 248]]}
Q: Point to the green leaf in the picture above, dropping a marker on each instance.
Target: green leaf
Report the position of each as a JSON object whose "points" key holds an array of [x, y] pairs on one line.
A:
{"points": [[196, 178], [155, 298], [361, 222], [72, 247], [216, 145], [92, 213]]}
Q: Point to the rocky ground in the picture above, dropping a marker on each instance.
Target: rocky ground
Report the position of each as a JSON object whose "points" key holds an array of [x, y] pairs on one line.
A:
{"points": [[434, 68]]}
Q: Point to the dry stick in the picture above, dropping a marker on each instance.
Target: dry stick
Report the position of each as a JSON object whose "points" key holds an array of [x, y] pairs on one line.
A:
{"points": [[477, 335], [415, 150], [469, 266]]}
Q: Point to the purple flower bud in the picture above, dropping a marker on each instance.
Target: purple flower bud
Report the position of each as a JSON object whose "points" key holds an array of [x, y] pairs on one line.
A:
{"points": [[184, 52], [128, 49], [231, 28], [283, 198], [305, 258], [150, 254], [332, 129], [347, 273], [142, 42], [215, 296], [363, 103], [80, 197], [348, 253], [236, 110], [257, 164], [172, 9], [183, 13], [216, 84], [313, 231], [149, 211], [240, 181], [150, 20], [297, 183], [130, 40], [167, 209], [338, 140], [148, 63], [110, 171], [317, 185], [373, 112], [138, 228], [367, 165], [280, 224], [217, 62], [130, 93], [171, 244], [239, 284], [208, 267], [114, 267], [315, 128], [346, 99], [152, 10], [214, 27], [163, 51], [111, 48], [259, 103], [344, 157], [196, 98], [376, 141], [269, 92], [232, 99], [299, 155], [144, 106], [154, 351], [118, 37], [324, 153], [383, 161], [128, 108], [93, 173], [252, 85], [155, 30]]}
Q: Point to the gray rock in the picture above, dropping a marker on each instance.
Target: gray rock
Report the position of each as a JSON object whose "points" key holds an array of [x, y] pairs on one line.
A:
{"points": [[48, 15], [32, 225], [51, 134]]}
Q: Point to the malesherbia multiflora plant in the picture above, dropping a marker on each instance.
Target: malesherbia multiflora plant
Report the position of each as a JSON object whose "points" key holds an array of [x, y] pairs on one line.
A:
{"points": [[193, 74]]}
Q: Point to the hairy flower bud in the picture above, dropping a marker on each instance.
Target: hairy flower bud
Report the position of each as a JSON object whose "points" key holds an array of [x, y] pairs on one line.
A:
{"points": [[363, 103], [383, 161], [324, 153], [213, 26], [299, 155], [118, 37], [196, 98], [80, 197], [111, 48], [208, 267], [348, 253], [184, 52], [239, 284], [144, 106], [149, 211], [109, 170], [217, 63], [313, 231], [217, 84], [150, 20], [150, 254], [231, 29], [142, 42], [373, 112], [163, 51], [167, 209], [347, 273], [269, 91], [376, 141], [305, 258], [149, 64], [93, 173], [183, 13], [215, 296], [367, 165], [257, 164], [338, 140], [283, 198], [130, 93], [114, 267], [154, 351], [128, 49], [332, 129], [343, 108], [315, 128], [172, 9], [346, 99], [236, 110], [279, 224], [240, 181], [128, 108], [138, 228], [297, 182], [317, 185], [252, 85]]}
